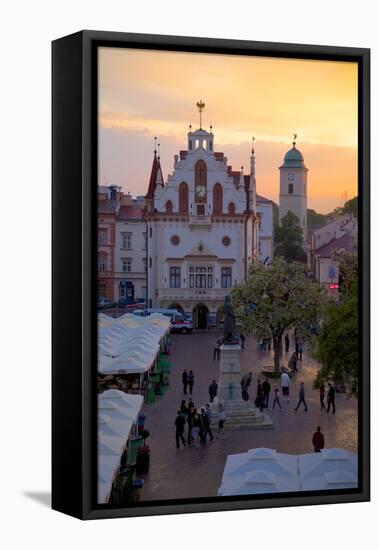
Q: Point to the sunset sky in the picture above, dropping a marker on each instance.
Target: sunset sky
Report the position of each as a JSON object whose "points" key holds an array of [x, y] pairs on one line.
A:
{"points": [[143, 94]]}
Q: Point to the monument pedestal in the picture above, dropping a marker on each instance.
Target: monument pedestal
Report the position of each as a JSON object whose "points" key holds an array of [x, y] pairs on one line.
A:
{"points": [[239, 413]]}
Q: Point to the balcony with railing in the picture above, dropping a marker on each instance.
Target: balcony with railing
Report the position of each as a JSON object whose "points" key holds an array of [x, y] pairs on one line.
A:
{"points": [[196, 294], [200, 221]]}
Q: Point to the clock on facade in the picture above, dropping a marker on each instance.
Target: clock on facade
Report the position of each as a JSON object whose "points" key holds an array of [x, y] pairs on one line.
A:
{"points": [[291, 177]]}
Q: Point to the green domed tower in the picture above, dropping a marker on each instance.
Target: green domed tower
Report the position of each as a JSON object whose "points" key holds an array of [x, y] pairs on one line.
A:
{"points": [[293, 187]]}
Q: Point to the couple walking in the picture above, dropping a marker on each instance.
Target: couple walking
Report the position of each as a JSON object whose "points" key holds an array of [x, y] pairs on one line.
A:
{"points": [[188, 380]]}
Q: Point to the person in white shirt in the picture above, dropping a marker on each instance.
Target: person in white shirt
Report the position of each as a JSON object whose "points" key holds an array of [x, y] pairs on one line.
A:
{"points": [[221, 420], [285, 383]]}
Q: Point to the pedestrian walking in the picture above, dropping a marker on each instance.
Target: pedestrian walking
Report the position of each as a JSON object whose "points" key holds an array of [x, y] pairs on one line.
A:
{"points": [[297, 347], [242, 338], [195, 431], [183, 407], [185, 381], [206, 416], [285, 383], [331, 398], [266, 391], [180, 422], [287, 342], [216, 350], [300, 351], [322, 397], [191, 381], [190, 424], [221, 420], [212, 390], [260, 400], [276, 398], [292, 363], [302, 398], [245, 383], [318, 441]]}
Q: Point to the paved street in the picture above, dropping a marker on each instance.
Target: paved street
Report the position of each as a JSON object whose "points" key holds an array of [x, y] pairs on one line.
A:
{"points": [[188, 472]]}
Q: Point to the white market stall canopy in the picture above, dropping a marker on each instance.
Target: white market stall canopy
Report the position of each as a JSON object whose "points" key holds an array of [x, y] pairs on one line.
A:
{"points": [[129, 344], [264, 470], [117, 412]]}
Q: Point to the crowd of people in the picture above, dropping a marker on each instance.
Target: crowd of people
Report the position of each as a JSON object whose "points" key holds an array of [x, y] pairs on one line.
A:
{"points": [[198, 424], [193, 425]]}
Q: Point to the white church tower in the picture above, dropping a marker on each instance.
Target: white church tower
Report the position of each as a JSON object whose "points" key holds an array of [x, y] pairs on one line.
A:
{"points": [[293, 187]]}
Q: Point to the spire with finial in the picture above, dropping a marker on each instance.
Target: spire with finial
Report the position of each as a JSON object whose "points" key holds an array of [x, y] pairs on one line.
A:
{"points": [[200, 105], [211, 128], [242, 179], [294, 140], [190, 127], [156, 176], [252, 194], [159, 151], [155, 146]]}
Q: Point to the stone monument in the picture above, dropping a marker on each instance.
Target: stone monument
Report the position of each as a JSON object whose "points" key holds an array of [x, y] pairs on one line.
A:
{"points": [[239, 413]]}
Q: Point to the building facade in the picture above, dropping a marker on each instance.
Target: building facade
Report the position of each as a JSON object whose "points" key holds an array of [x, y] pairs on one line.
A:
{"points": [[293, 187], [203, 232], [340, 234]]}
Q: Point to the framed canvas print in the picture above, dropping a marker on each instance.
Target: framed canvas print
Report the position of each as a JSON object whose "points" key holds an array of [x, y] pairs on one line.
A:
{"points": [[210, 275]]}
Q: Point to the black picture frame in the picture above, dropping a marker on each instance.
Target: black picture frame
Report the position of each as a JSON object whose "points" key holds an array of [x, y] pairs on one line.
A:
{"points": [[74, 175]]}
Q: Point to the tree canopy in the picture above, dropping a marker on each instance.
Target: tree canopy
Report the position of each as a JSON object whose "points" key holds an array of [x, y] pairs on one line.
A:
{"points": [[276, 298], [288, 238], [337, 344]]}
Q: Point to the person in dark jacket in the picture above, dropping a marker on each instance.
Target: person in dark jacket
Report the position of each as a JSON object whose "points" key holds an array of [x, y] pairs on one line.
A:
{"points": [[185, 381], [287, 342], [302, 398], [266, 391], [260, 400], [245, 383], [205, 419], [183, 407], [180, 422], [331, 398], [191, 381], [318, 440], [242, 338], [212, 390]]}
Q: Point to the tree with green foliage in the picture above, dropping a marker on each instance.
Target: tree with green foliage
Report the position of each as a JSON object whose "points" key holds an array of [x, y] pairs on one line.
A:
{"points": [[337, 342], [288, 239], [351, 207], [276, 298], [314, 219]]}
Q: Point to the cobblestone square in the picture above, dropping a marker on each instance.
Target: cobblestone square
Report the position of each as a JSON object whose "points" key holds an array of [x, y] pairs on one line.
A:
{"points": [[188, 472]]}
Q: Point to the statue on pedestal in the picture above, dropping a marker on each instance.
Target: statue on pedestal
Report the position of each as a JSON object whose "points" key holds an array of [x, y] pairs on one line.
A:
{"points": [[229, 323]]}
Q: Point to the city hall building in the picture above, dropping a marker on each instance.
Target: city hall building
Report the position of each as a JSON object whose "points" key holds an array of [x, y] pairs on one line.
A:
{"points": [[205, 225]]}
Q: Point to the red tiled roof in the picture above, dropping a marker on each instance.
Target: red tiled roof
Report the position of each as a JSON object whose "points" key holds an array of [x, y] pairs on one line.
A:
{"points": [[326, 250], [130, 212]]}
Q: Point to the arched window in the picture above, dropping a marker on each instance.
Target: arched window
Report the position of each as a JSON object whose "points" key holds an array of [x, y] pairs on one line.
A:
{"points": [[217, 199], [200, 173], [290, 188], [197, 144], [231, 209], [183, 198], [204, 143], [168, 207]]}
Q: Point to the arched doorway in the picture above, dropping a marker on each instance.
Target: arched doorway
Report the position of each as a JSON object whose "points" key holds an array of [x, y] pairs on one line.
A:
{"points": [[201, 316]]}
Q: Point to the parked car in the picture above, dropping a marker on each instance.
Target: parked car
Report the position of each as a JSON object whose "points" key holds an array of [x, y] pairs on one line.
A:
{"points": [[103, 303]]}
